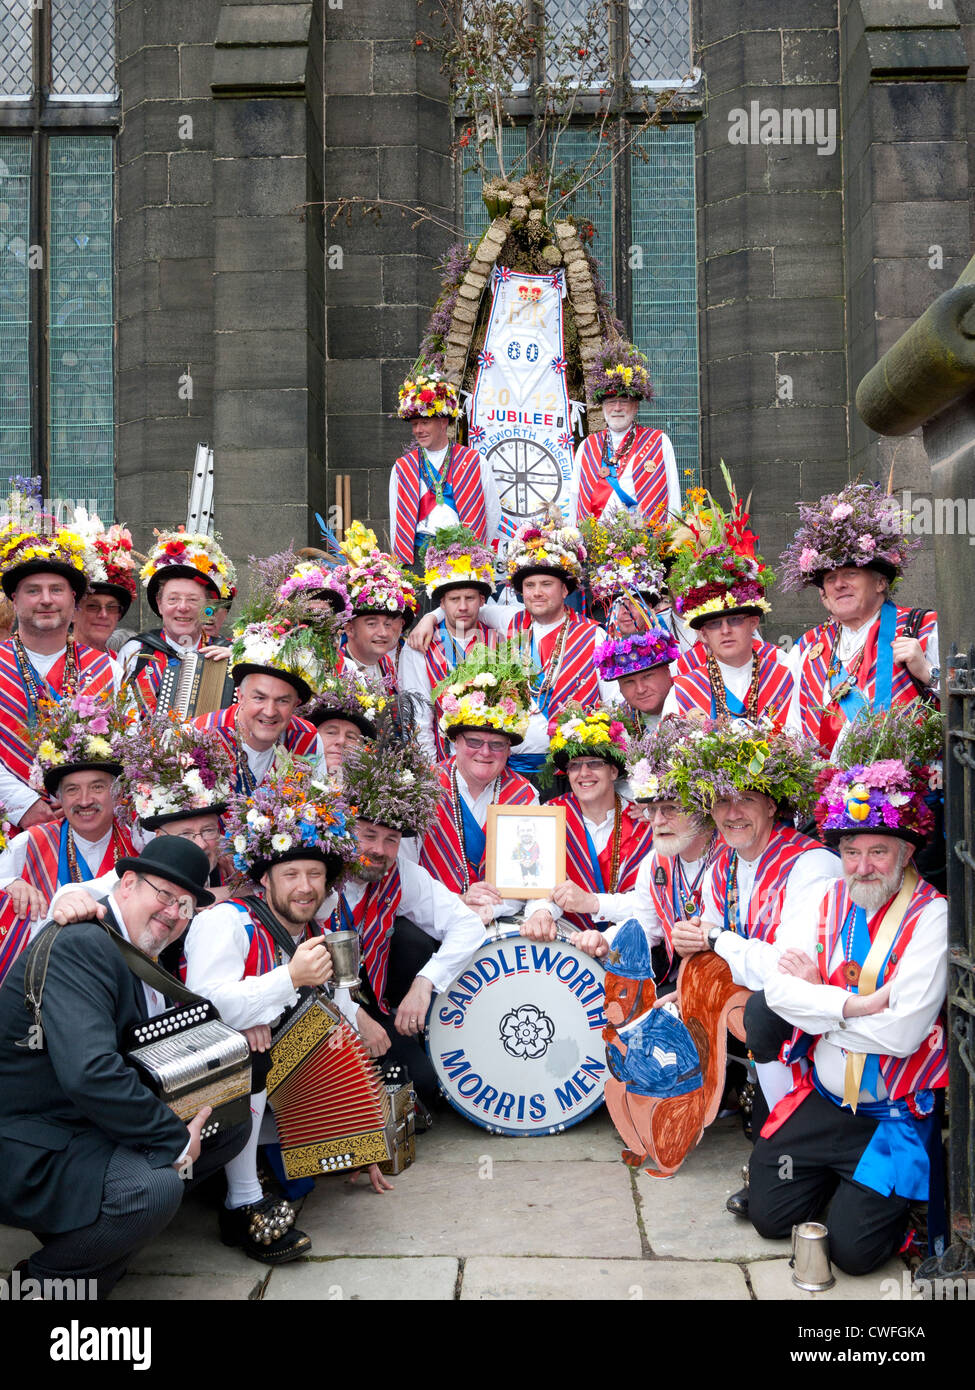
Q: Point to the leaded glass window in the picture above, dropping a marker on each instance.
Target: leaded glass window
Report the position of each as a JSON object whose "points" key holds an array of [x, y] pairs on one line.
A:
{"points": [[15, 376], [82, 49], [16, 54], [593, 205], [658, 46]]}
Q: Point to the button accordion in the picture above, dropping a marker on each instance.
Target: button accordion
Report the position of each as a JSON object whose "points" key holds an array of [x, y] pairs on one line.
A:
{"points": [[191, 685], [331, 1105], [189, 1058]]}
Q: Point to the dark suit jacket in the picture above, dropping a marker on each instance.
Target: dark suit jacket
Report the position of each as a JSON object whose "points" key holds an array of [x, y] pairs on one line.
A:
{"points": [[65, 1107]]}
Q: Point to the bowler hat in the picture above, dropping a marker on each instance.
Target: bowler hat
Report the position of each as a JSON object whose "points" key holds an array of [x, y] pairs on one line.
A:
{"points": [[176, 860]]}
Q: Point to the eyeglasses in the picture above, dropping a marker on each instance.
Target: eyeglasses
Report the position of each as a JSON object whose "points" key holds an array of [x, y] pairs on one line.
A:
{"points": [[586, 764], [108, 610], [208, 836], [492, 745], [734, 620], [183, 903]]}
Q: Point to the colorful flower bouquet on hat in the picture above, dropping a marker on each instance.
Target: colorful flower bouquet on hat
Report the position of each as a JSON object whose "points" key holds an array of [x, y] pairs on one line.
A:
{"points": [[169, 768], [81, 730]]}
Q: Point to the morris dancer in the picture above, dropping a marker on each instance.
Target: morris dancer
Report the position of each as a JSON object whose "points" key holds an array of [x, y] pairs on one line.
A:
{"points": [[396, 794], [436, 484], [184, 572], [76, 761], [459, 576], [854, 546], [344, 711], [546, 563], [43, 574], [641, 666], [605, 838], [296, 846], [669, 881], [383, 604], [752, 781], [626, 466], [485, 714], [99, 611], [862, 978], [719, 583]]}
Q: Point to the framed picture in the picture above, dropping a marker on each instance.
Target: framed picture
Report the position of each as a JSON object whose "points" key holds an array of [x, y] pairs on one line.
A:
{"points": [[525, 855]]}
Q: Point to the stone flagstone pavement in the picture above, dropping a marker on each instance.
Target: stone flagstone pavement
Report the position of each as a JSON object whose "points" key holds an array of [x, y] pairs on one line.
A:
{"points": [[480, 1217]]}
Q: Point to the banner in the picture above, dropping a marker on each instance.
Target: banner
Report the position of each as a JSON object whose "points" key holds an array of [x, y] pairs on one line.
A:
{"points": [[519, 412]]}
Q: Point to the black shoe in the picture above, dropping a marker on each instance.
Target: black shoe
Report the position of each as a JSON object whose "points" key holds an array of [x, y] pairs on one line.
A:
{"points": [[265, 1231], [737, 1203]]}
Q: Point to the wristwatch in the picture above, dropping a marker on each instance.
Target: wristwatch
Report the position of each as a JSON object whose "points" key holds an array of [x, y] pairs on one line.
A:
{"points": [[713, 935]]}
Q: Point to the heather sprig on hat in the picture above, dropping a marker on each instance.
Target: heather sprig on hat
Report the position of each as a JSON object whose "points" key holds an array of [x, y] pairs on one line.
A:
{"points": [[316, 579], [172, 770], [860, 527], [623, 554], [83, 733], [548, 546], [881, 775], [650, 759], [183, 554], [456, 559], [285, 639], [376, 582], [489, 689], [619, 370], [717, 568], [425, 395], [641, 651], [350, 695], [581, 732], [290, 815], [392, 783], [729, 757]]}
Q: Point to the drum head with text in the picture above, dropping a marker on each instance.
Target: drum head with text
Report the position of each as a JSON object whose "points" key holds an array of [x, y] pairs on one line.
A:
{"points": [[516, 1039]]}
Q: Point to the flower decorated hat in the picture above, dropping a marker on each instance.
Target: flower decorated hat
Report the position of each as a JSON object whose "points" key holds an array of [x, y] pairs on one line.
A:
{"points": [[83, 734], [171, 771], [182, 554], [880, 776], [456, 559], [650, 759], [624, 556], [317, 579], [619, 370], [376, 583], [729, 757], [578, 732], [426, 395], [861, 526], [716, 569], [548, 546], [31, 542], [641, 651], [489, 690], [115, 566], [279, 646], [392, 782], [349, 695], [291, 816]]}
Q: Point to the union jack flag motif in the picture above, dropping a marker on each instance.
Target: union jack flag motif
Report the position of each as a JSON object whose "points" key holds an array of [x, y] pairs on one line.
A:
{"points": [[300, 738], [556, 279], [692, 684], [442, 854], [565, 440], [486, 359], [476, 434], [502, 272], [559, 365], [635, 840], [649, 474]]}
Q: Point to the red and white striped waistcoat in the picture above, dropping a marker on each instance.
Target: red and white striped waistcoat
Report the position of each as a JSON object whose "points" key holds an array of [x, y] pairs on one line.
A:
{"points": [[649, 474], [462, 471], [300, 737], [374, 917], [692, 683], [577, 678], [95, 673], [927, 1068], [770, 883], [441, 853], [636, 838], [813, 677]]}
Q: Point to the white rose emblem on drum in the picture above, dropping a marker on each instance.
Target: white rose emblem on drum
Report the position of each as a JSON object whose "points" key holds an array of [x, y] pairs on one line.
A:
{"points": [[516, 1039]]}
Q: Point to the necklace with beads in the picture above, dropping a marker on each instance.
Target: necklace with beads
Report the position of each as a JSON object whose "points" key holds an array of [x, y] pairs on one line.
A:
{"points": [[117, 847], [69, 680], [614, 861], [543, 690], [458, 819], [610, 465], [721, 695]]}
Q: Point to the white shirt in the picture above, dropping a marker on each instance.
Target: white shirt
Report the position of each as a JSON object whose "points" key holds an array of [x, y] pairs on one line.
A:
{"points": [[492, 502], [638, 903], [751, 960], [18, 797], [600, 832], [625, 479], [14, 857], [916, 997], [216, 950], [737, 680]]}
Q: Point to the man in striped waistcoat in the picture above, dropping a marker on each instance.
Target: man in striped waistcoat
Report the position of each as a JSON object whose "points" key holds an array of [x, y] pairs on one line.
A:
{"points": [[862, 978], [41, 661], [605, 837], [483, 722], [853, 546], [459, 576], [384, 605], [626, 466], [436, 484]]}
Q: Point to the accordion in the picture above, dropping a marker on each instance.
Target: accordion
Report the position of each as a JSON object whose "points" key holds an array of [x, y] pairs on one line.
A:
{"points": [[330, 1102], [189, 1058], [402, 1100], [192, 685]]}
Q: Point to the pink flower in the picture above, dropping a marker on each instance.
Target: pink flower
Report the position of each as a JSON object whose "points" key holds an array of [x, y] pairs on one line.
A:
{"points": [[99, 725], [809, 558], [841, 511], [867, 543], [507, 706]]}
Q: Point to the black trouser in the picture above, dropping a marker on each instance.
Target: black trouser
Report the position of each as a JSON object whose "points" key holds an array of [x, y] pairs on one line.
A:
{"points": [[809, 1162]]}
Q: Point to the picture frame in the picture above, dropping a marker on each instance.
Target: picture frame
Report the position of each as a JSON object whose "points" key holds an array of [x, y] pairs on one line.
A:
{"points": [[525, 851]]}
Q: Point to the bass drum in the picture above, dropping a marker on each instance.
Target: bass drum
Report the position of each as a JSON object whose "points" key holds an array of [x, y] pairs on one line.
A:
{"points": [[516, 1039]]}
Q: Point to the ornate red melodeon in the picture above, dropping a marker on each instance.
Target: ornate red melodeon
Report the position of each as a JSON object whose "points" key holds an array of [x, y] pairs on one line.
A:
{"points": [[331, 1106]]}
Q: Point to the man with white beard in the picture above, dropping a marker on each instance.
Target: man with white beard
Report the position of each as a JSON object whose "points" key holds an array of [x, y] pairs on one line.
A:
{"points": [[862, 978]]}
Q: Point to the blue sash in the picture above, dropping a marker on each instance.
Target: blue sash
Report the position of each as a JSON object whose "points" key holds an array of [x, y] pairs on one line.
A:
{"points": [[736, 707], [452, 650], [433, 482], [853, 703], [609, 463], [41, 685], [898, 1156], [475, 840], [64, 868], [728, 925], [594, 860], [526, 764]]}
